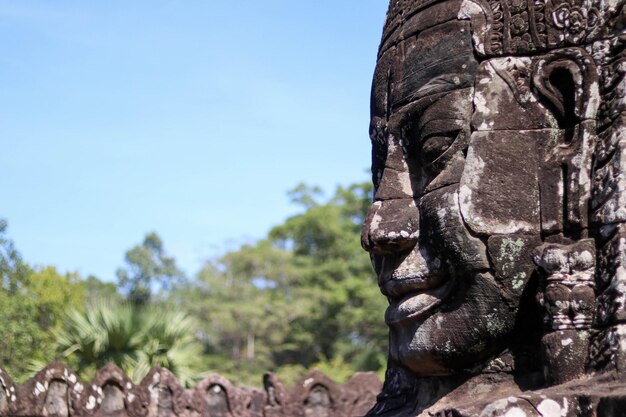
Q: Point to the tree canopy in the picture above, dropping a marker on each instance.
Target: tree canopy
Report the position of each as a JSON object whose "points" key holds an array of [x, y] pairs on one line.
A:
{"points": [[33, 301], [304, 296], [147, 266]]}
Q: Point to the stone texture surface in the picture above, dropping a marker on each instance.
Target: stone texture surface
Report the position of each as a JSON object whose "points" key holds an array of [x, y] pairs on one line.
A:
{"points": [[497, 229], [600, 397], [57, 391]]}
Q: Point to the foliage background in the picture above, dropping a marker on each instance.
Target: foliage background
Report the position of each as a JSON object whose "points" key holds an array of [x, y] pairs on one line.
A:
{"points": [[303, 297]]}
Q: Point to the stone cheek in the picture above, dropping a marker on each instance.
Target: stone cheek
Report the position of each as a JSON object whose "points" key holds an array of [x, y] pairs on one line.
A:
{"points": [[446, 233], [511, 256], [499, 192]]}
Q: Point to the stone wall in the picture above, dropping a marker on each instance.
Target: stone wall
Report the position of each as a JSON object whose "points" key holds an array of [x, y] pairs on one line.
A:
{"points": [[56, 391]]}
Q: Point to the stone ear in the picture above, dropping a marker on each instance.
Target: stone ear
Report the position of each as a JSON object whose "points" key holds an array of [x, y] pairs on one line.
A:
{"points": [[558, 84], [567, 83]]}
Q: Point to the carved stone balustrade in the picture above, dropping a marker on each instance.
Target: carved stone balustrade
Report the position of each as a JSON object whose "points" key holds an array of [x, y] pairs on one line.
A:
{"points": [[56, 391]]}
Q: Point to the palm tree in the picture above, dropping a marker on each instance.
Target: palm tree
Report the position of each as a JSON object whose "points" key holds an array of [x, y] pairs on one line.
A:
{"points": [[134, 338]]}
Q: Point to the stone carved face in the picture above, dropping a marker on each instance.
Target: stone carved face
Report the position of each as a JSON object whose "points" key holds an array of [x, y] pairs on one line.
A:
{"points": [[468, 164]]}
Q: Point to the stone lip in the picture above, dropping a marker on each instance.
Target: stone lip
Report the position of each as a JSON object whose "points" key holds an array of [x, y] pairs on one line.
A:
{"points": [[56, 391]]}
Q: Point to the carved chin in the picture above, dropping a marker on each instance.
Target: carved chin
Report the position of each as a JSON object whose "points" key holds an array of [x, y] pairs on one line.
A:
{"points": [[472, 324]]}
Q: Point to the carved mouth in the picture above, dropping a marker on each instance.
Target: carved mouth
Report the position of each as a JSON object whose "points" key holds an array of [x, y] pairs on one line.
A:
{"points": [[401, 284], [415, 304]]}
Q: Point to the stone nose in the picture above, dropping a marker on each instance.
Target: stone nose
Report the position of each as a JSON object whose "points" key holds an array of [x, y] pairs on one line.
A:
{"points": [[391, 226]]}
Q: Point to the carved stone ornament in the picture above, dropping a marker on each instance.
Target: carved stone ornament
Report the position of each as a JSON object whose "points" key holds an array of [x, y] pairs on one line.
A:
{"points": [[56, 391], [498, 226]]}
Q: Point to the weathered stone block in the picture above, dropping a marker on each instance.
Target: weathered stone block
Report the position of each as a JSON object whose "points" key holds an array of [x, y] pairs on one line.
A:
{"points": [[504, 100], [609, 190], [512, 258], [499, 191], [57, 392]]}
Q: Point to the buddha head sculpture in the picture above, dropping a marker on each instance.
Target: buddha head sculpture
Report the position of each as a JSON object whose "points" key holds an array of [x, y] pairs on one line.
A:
{"points": [[497, 135]]}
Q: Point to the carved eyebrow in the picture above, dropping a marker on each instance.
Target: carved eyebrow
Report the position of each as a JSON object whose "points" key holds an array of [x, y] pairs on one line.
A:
{"points": [[440, 84], [435, 61], [415, 112], [441, 126], [445, 81]]}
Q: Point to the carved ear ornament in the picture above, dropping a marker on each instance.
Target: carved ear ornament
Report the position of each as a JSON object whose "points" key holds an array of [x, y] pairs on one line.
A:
{"points": [[568, 81]]}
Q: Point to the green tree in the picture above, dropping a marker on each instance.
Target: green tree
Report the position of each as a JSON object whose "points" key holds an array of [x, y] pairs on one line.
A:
{"points": [[241, 313], [13, 269], [135, 338], [33, 301], [147, 267], [305, 296], [96, 290], [345, 308]]}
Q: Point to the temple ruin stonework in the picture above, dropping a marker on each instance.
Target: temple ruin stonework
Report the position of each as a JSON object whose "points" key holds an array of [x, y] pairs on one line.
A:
{"points": [[497, 231], [498, 227], [56, 391]]}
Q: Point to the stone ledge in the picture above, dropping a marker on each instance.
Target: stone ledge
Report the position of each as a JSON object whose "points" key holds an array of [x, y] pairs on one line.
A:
{"points": [[56, 391]]}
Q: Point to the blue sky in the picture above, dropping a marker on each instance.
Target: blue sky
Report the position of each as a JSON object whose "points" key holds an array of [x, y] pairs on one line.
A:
{"points": [[188, 118]]}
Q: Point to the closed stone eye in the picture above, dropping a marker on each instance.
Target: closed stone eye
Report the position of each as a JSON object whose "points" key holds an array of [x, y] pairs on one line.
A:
{"points": [[435, 145]]}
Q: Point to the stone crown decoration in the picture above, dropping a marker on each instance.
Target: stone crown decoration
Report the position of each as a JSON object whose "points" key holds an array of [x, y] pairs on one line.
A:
{"points": [[511, 27]]}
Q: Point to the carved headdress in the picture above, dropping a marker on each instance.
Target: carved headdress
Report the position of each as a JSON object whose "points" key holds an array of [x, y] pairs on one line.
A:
{"points": [[512, 27]]}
